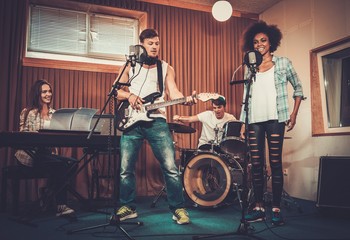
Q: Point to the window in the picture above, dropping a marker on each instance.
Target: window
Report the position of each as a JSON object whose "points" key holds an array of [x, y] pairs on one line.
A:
{"points": [[58, 33], [112, 36], [330, 86]]}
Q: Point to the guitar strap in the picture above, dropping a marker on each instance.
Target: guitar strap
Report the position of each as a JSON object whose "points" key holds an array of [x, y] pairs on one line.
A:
{"points": [[160, 76]]}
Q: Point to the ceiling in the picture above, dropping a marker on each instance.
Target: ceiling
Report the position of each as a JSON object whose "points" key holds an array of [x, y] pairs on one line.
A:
{"points": [[241, 8], [245, 6]]}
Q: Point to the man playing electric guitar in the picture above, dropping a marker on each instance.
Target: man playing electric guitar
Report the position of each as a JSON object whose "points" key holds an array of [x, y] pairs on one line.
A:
{"points": [[153, 76], [127, 116]]}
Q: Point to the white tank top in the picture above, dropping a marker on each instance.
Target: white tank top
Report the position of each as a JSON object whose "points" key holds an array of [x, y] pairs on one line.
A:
{"points": [[146, 83], [263, 105]]}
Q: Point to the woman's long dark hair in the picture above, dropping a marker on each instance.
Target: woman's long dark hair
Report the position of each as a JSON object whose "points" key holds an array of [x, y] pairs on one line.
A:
{"points": [[34, 98]]}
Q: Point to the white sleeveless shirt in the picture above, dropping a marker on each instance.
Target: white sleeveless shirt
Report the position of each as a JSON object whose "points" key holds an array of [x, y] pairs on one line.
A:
{"points": [[263, 104], [146, 83]]}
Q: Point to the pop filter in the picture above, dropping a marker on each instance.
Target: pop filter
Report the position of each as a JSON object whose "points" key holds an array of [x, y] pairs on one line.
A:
{"points": [[137, 54], [253, 59]]}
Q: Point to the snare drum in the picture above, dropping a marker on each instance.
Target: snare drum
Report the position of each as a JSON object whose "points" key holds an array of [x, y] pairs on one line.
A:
{"points": [[231, 143]]}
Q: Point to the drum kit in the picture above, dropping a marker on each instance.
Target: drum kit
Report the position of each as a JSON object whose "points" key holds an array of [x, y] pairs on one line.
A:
{"points": [[210, 177]]}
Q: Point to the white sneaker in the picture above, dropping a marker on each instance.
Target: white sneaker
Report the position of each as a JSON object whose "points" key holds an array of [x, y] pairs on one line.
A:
{"points": [[63, 210]]}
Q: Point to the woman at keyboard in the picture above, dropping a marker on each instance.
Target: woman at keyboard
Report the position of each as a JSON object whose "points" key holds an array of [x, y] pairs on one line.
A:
{"points": [[35, 116]]}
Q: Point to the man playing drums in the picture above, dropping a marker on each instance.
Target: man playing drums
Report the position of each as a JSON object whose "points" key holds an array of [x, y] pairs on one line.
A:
{"points": [[212, 124], [210, 167]]}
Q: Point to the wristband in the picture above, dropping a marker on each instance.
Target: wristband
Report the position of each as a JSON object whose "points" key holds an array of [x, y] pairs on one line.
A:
{"points": [[130, 95]]}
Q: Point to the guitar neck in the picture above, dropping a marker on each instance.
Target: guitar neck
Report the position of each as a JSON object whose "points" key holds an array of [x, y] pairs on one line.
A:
{"points": [[165, 104]]}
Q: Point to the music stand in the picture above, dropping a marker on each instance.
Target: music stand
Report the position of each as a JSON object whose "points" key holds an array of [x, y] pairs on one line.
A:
{"points": [[72, 119], [244, 225], [114, 221]]}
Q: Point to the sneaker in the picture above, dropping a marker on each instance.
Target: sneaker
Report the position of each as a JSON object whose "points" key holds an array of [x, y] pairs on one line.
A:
{"points": [[256, 215], [277, 219], [181, 216], [126, 212], [63, 210]]}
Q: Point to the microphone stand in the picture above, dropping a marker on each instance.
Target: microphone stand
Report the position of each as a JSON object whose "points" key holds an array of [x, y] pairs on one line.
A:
{"points": [[114, 220], [244, 225]]}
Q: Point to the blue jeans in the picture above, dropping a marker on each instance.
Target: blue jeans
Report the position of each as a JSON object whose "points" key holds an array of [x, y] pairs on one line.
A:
{"points": [[158, 135]]}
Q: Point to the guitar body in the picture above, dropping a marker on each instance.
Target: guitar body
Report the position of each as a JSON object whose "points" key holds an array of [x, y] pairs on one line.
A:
{"points": [[126, 116]]}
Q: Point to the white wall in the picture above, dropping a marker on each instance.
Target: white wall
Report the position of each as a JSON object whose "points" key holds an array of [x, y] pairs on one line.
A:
{"points": [[307, 24]]}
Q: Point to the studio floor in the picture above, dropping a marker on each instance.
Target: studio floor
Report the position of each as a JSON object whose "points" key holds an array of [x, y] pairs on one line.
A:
{"points": [[303, 221]]}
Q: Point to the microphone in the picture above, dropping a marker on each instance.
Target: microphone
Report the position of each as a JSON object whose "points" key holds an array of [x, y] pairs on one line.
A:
{"points": [[132, 56], [137, 54], [253, 59]]}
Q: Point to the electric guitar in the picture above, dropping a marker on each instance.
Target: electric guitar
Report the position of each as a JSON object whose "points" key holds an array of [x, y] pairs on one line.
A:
{"points": [[126, 116]]}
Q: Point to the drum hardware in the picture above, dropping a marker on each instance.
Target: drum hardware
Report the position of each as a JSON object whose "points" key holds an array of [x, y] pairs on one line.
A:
{"points": [[159, 194], [213, 145], [238, 190], [209, 176], [181, 128], [174, 128], [286, 199], [216, 130]]}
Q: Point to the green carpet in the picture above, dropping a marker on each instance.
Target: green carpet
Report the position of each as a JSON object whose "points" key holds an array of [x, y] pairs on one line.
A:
{"points": [[310, 224]]}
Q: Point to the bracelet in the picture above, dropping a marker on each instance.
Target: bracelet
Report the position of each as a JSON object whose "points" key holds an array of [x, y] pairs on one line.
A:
{"points": [[130, 95]]}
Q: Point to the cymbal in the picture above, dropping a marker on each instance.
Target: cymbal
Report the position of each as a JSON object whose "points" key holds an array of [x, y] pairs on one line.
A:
{"points": [[180, 128]]}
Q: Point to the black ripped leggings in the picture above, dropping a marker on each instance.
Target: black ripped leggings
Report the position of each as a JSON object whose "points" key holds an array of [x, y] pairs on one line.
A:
{"points": [[274, 132]]}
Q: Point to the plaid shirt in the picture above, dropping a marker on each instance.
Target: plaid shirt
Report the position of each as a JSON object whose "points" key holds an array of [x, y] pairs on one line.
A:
{"points": [[33, 123], [284, 73]]}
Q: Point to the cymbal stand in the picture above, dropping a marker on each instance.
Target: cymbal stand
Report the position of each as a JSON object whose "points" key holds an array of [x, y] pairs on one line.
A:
{"points": [[159, 194], [114, 220], [216, 140], [163, 190]]}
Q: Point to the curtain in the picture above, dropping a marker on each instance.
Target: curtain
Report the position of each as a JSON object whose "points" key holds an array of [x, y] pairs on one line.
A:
{"points": [[332, 78], [203, 52]]}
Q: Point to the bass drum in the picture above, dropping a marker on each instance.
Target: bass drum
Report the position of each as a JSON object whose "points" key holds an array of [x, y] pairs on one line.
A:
{"points": [[207, 178]]}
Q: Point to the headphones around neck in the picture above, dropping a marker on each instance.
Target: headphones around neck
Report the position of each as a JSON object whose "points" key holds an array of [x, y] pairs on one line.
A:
{"points": [[148, 60]]}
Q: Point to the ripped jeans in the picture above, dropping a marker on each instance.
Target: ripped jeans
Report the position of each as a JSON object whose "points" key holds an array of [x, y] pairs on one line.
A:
{"points": [[158, 135], [274, 132]]}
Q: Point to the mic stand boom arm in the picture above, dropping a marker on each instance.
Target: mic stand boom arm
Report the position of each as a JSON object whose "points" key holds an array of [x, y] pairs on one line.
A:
{"points": [[112, 93]]}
